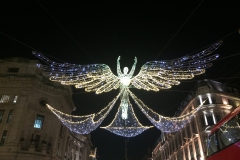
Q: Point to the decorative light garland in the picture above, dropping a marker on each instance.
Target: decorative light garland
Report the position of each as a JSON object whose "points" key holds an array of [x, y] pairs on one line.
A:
{"points": [[157, 75], [93, 77], [84, 124], [165, 124], [153, 75], [129, 126]]}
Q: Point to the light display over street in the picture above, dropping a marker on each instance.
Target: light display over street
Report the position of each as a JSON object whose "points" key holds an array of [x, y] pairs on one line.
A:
{"points": [[153, 76]]}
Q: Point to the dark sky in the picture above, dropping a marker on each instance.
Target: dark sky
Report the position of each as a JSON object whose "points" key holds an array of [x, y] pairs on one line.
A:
{"points": [[98, 32]]}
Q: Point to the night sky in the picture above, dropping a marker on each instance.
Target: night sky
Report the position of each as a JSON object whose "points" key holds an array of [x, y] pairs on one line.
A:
{"points": [[98, 32]]}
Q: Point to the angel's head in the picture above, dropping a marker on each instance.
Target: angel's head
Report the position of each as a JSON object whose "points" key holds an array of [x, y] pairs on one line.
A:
{"points": [[125, 70]]}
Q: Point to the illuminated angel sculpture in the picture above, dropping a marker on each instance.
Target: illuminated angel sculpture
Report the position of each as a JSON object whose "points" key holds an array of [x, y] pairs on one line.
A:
{"points": [[154, 75], [125, 79]]}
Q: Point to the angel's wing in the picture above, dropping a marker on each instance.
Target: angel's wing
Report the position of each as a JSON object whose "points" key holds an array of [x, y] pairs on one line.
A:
{"points": [[92, 77], [157, 75]]}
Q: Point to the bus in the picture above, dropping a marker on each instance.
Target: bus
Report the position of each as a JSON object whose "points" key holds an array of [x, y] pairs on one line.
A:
{"points": [[224, 138]]}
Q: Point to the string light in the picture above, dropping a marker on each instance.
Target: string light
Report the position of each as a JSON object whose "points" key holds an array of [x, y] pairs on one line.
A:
{"points": [[84, 124], [165, 124], [129, 126], [153, 75], [93, 77], [157, 75]]}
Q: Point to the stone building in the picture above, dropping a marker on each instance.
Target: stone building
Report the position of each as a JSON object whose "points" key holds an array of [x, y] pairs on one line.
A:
{"points": [[28, 130], [191, 141]]}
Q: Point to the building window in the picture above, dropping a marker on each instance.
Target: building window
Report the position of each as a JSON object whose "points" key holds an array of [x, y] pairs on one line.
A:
{"points": [[217, 117], [213, 100], [13, 70], [197, 148], [170, 148], [38, 121], [10, 116], [198, 102], [229, 89], [194, 130], [61, 131], [59, 153], [183, 133], [188, 131], [15, 99], [176, 142], [186, 153], [202, 121], [4, 98], [4, 136], [231, 102], [191, 151], [180, 139], [1, 115], [235, 90], [205, 101], [209, 118], [37, 140]]}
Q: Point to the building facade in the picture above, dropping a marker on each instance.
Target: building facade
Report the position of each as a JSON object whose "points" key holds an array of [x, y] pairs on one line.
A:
{"points": [[28, 130], [190, 143]]}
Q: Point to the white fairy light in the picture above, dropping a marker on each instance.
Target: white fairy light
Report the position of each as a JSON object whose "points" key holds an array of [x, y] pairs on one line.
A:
{"points": [[125, 81], [124, 107], [84, 124], [165, 124], [126, 126], [154, 75]]}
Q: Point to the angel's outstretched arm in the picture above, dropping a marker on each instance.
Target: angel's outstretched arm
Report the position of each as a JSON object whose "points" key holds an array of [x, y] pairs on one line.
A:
{"points": [[119, 72], [133, 67]]}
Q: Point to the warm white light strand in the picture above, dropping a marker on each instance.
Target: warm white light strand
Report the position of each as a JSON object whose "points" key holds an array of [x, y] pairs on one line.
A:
{"points": [[153, 75], [129, 127], [84, 124], [158, 75], [165, 124]]}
